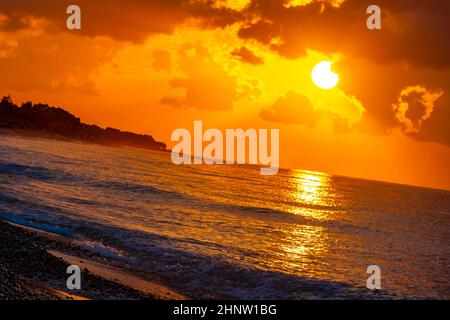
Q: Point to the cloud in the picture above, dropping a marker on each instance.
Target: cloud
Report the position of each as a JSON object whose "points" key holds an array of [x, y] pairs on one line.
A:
{"points": [[247, 56], [140, 19], [7, 46], [161, 60], [414, 36], [301, 3], [51, 63], [378, 87], [414, 106], [11, 24], [206, 84], [293, 108], [230, 4], [412, 31], [436, 128]]}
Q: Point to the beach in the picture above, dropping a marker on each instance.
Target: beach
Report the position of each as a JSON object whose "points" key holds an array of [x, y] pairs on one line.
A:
{"points": [[33, 266], [224, 151], [145, 228]]}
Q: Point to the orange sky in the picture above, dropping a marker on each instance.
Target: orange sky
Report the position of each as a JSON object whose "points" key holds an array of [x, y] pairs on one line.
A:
{"points": [[152, 68]]}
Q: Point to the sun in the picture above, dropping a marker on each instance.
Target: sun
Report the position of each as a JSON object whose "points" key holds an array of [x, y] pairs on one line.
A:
{"points": [[323, 77]]}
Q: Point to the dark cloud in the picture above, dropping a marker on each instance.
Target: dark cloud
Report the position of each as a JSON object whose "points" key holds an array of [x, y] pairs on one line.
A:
{"points": [[412, 31], [379, 87], [415, 105], [132, 21], [293, 108], [105, 18], [436, 128], [12, 23], [248, 56]]}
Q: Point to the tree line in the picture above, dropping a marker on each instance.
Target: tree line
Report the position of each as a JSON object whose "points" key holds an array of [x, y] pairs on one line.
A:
{"points": [[57, 121]]}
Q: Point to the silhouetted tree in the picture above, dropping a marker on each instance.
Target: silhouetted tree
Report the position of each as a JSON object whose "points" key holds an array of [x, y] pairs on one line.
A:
{"points": [[53, 120]]}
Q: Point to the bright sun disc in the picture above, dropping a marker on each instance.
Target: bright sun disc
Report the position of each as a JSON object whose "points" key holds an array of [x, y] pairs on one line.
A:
{"points": [[323, 77]]}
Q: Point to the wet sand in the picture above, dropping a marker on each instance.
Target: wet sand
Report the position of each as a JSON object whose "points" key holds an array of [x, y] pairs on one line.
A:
{"points": [[33, 266]]}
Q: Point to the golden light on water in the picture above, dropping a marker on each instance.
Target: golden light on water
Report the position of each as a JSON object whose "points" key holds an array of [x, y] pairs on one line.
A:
{"points": [[304, 243], [310, 194], [311, 191], [310, 187]]}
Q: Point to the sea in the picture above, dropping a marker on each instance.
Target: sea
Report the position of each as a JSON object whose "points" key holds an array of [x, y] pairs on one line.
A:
{"points": [[226, 231]]}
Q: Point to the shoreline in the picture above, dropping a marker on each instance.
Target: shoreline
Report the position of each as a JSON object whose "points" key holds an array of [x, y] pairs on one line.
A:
{"points": [[33, 266], [24, 133], [43, 135]]}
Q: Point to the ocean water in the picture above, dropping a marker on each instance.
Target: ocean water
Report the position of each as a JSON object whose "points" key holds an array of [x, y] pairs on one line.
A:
{"points": [[227, 231]]}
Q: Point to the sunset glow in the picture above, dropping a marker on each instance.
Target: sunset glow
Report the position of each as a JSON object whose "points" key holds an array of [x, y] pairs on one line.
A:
{"points": [[155, 67], [226, 155]]}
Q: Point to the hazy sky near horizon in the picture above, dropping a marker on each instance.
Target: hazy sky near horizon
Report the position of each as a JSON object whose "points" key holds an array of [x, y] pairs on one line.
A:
{"points": [[155, 66]]}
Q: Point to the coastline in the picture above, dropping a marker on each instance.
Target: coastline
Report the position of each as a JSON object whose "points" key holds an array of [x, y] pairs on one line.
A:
{"points": [[72, 196], [25, 133], [33, 266]]}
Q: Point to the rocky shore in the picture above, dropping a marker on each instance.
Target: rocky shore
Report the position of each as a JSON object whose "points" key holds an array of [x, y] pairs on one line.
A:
{"points": [[28, 271]]}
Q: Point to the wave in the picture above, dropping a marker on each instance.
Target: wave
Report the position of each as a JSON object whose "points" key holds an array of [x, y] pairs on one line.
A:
{"points": [[200, 276], [132, 187], [35, 172], [36, 225]]}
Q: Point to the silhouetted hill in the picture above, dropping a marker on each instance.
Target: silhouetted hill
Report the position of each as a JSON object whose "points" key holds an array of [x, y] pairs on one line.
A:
{"points": [[52, 120]]}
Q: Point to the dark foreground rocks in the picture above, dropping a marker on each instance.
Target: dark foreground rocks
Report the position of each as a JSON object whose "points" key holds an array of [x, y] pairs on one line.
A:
{"points": [[28, 271]]}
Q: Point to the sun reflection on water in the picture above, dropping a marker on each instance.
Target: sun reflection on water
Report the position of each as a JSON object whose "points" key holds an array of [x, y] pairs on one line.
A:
{"points": [[311, 194], [303, 248], [305, 245]]}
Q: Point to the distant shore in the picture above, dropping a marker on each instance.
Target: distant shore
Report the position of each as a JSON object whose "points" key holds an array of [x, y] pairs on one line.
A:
{"points": [[33, 266], [34, 134], [54, 122], [45, 135]]}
